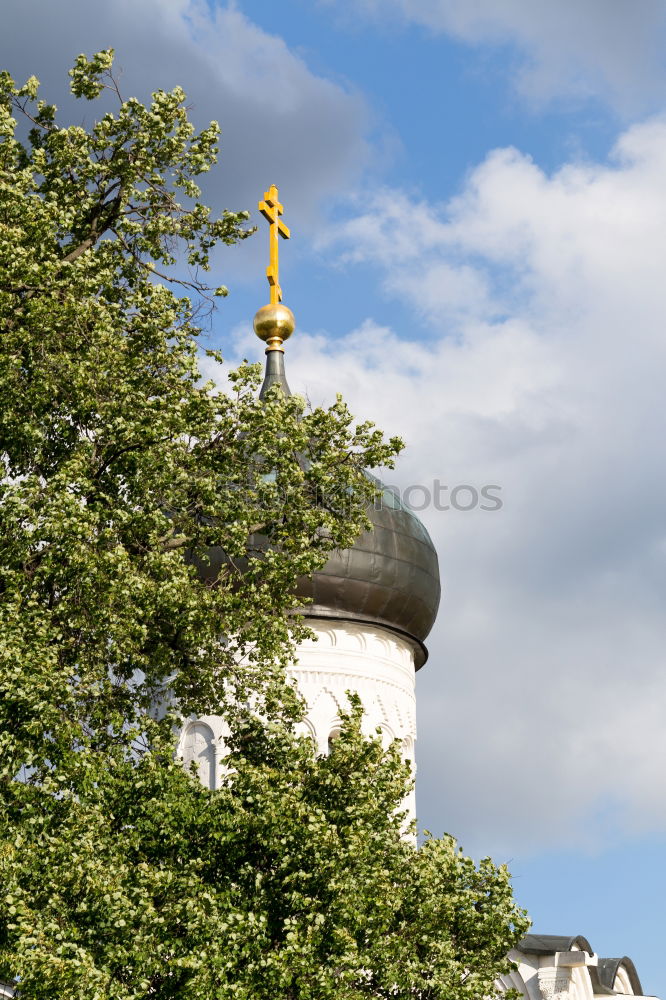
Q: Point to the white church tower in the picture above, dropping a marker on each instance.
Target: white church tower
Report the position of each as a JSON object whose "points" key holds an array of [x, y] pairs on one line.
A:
{"points": [[370, 607]]}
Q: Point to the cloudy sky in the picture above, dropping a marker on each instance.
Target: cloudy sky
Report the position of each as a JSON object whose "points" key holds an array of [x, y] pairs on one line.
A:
{"points": [[477, 197]]}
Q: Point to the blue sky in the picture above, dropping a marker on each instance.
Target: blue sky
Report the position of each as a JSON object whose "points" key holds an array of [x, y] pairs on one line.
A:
{"points": [[478, 208]]}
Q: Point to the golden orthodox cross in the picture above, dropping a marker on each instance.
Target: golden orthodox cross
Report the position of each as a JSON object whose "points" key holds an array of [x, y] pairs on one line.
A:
{"points": [[271, 209]]}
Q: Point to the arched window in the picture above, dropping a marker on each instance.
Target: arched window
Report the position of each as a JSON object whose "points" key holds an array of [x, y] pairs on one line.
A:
{"points": [[198, 749], [333, 735], [387, 735]]}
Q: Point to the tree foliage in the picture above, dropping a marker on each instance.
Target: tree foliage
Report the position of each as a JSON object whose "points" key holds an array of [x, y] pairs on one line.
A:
{"points": [[122, 877]]}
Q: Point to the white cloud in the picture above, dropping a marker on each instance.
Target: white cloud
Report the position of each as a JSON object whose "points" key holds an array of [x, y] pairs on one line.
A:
{"points": [[540, 708], [603, 48]]}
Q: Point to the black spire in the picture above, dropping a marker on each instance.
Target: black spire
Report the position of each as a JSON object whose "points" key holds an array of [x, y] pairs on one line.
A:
{"points": [[275, 373]]}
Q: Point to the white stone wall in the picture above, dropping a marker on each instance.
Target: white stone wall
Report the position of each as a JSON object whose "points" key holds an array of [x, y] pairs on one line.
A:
{"points": [[372, 661]]}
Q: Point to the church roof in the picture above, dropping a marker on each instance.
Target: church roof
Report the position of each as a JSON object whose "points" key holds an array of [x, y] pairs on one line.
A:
{"points": [[603, 975], [609, 968], [545, 944], [389, 577]]}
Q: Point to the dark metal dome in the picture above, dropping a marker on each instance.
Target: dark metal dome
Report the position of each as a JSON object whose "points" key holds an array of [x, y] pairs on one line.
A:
{"points": [[390, 577]]}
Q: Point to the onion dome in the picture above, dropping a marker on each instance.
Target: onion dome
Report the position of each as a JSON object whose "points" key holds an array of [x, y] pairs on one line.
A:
{"points": [[390, 576]]}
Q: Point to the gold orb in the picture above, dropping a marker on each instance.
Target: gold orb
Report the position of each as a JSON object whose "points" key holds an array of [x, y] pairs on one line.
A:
{"points": [[274, 324]]}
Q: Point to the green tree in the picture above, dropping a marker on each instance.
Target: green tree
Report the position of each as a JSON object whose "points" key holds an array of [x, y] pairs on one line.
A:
{"points": [[120, 875]]}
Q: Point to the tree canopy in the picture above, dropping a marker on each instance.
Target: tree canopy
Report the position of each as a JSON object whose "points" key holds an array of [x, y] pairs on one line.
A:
{"points": [[120, 875]]}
